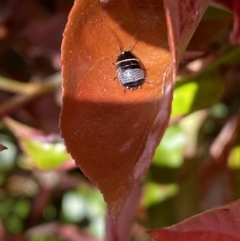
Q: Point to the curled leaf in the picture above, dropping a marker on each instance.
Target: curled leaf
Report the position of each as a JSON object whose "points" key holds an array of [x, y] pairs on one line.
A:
{"points": [[111, 132]]}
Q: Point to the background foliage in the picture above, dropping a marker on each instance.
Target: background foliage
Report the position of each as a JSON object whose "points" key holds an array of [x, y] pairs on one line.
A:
{"points": [[196, 166]]}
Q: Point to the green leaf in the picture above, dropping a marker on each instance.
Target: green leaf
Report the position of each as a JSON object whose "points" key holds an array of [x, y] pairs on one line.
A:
{"points": [[155, 193], [234, 158], [169, 152], [203, 90], [45, 155]]}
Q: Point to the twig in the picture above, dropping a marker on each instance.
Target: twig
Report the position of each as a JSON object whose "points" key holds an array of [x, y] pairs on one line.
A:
{"points": [[27, 92]]}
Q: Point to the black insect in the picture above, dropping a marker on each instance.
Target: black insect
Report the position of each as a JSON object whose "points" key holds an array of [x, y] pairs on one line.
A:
{"points": [[129, 70]]}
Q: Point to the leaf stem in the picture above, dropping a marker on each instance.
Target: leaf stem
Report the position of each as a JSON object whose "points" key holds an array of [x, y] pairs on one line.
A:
{"points": [[26, 92]]}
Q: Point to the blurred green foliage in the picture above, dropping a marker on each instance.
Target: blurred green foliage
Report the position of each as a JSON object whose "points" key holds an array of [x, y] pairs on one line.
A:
{"points": [[184, 179]]}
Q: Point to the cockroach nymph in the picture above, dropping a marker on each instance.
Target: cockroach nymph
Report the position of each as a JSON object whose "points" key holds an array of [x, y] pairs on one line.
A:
{"points": [[128, 67]]}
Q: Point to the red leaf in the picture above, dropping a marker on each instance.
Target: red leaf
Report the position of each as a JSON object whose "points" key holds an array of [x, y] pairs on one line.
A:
{"points": [[191, 236], [2, 147], [183, 18], [217, 224], [234, 6], [111, 133]]}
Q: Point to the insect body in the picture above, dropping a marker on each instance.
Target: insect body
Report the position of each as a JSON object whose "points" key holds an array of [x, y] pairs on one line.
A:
{"points": [[129, 71], [128, 66]]}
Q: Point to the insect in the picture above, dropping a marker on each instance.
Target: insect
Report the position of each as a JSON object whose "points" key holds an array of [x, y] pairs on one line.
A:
{"points": [[128, 67]]}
